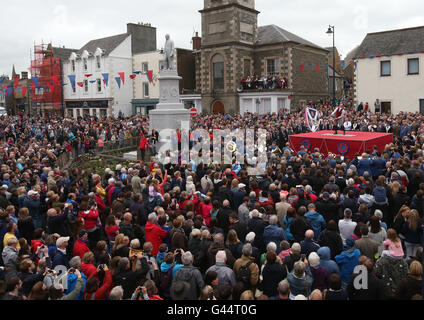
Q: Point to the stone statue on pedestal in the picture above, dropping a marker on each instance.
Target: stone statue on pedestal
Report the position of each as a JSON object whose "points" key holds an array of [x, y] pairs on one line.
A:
{"points": [[169, 53]]}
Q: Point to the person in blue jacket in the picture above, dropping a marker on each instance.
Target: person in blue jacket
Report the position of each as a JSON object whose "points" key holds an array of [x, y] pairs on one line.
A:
{"points": [[324, 254], [75, 262], [316, 220], [364, 165], [348, 260], [378, 166]]}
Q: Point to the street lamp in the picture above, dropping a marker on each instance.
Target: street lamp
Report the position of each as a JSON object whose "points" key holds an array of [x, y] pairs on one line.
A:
{"points": [[330, 32]]}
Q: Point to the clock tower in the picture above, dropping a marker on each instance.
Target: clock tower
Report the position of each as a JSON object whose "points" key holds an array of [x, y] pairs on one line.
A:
{"points": [[229, 33]]}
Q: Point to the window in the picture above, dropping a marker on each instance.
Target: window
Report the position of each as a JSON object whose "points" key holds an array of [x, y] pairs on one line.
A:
{"points": [[272, 66], [103, 113], [98, 62], [386, 69], [99, 85], [218, 72], [145, 66], [85, 85], [386, 107], [413, 66], [73, 65], [247, 68], [70, 113], [422, 106], [146, 89], [85, 63], [78, 112]]}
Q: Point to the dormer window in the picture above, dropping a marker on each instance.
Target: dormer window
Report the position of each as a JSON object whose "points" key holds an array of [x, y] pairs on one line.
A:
{"points": [[85, 64], [98, 62]]}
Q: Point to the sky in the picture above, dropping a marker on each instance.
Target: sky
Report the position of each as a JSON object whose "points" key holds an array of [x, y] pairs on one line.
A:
{"points": [[74, 23]]}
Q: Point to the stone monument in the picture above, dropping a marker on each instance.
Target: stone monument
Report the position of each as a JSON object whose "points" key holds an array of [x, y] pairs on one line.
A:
{"points": [[170, 112]]}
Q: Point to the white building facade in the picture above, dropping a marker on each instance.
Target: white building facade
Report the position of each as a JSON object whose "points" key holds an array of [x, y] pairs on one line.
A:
{"points": [[390, 68], [264, 102], [97, 69]]}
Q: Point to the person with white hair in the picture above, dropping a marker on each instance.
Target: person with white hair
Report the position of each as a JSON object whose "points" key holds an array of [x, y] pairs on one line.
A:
{"points": [[117, 293], [189, 274], [257, 225], [281, 208], [320, 274], [154, 233], [226, 276]]}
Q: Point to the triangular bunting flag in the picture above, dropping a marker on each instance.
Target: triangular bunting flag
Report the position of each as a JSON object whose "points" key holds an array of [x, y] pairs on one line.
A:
{"points": [[72, 79], [92, 81], [81, 84], [35, 80], [133, 76], [105, 78], [317, 66], [118, 81], [122, 75], [137, 72], [302, 67], [16, 80], [88, 75], [150, 75]]}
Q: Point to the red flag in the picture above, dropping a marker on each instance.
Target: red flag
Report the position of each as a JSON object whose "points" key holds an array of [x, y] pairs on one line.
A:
{"points": [[400, 54], [133, 76], [351, 64], [150, 75], [302, 67], [81, 84], [24, 90], [88, 75], [122, 75], [317, 67]]}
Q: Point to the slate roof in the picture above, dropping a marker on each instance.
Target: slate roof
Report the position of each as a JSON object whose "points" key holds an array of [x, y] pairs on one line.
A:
{"points": [[108, 44], [272, 34], [392, 42], [63, 53]]}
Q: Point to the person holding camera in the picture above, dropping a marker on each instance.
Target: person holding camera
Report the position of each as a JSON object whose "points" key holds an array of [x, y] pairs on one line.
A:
{"points": [[93, 290], [148, 291]]}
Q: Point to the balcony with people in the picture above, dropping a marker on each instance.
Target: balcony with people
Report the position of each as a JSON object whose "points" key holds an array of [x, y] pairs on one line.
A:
{"points": [[262, 83]]}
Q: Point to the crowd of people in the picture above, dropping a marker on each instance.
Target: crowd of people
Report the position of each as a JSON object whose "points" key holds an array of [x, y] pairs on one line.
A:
{"points": [[270, 82], [190, 231]]}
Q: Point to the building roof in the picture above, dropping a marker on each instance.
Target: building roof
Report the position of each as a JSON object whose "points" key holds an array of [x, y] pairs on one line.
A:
{"points": [[63, 53], [108, 44], [350, 56], [272, 34], [392, 42]]}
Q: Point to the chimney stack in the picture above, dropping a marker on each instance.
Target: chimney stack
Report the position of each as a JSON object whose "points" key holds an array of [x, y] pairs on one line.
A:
{"points": [[197, 42]]}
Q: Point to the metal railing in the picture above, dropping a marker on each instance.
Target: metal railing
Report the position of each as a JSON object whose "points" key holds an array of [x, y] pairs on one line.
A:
{"points": [[64, 159]]}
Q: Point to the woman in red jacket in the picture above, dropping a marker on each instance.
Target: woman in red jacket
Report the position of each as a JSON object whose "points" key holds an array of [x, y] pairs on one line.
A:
{"points": [[154, 233], [92, 289], [205, 209], [90, 216], [144, 143]]}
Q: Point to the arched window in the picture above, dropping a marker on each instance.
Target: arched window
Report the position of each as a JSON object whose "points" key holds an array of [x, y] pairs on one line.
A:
{"points": [[218, 72]]}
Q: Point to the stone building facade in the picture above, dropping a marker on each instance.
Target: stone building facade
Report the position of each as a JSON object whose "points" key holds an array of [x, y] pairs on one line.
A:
{"points": [[234, 47]]}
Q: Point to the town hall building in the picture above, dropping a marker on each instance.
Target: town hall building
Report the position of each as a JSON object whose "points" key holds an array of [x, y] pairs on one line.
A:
{"points": [[233, 48]]}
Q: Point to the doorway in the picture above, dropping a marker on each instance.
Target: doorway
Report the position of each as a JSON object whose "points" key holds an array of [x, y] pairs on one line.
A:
{"points": [[422, 106], [386, 107], [218, 108]]}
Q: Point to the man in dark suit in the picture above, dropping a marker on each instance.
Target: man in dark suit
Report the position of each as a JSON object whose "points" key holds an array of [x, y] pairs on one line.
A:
{"points": [[239, 227]]}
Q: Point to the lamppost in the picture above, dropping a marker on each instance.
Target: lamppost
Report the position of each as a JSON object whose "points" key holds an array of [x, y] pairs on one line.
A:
{"points": [[330, 32]]}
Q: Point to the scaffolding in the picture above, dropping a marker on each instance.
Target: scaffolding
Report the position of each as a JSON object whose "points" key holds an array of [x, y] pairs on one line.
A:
{"points": [[47, 95]]}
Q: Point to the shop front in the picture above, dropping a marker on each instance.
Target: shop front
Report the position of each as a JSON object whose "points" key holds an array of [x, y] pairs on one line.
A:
{"points": [[81, 108]]}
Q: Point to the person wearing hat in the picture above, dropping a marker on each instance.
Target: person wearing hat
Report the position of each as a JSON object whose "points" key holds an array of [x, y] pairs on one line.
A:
{"points": [[60, 258], [81, 245], [180, 290], [348, 260], [32, 202]]}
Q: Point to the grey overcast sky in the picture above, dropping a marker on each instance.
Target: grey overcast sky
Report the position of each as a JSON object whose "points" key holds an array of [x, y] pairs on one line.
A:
{"points": [[74, 23]]}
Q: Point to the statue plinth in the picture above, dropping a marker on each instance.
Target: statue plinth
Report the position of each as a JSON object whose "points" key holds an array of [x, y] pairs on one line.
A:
{"points": [[170, 112]]}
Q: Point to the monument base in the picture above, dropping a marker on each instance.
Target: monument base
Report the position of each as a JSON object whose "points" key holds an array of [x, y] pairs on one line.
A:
{"points": [[161, 119]]}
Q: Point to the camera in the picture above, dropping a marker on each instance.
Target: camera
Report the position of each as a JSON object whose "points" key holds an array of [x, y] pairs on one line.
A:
{"points": [[303, 257], [72, 270]]}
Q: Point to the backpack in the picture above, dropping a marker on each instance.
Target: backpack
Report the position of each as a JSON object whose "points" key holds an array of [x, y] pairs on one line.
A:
{"points": [[165, 280], [243, 274]]}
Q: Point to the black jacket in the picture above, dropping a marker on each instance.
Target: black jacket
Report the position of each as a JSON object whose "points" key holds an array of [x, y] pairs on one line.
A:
{"points": [[272, 275], [376, 289], [298, 228], [223, 218], [408, 287], [328, 209], [130, 280], [241, 230], [332, 240], [257, 225]]}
